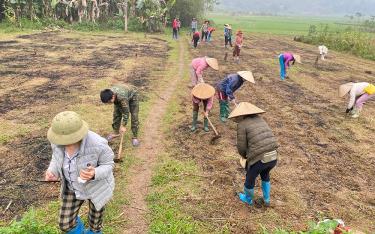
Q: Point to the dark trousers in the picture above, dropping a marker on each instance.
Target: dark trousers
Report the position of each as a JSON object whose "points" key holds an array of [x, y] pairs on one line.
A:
{"points": [[236, 51], [228, 40], [134, 111], [258, 168], [195, 39], [175, 33], [204, 36], [196, 105]]}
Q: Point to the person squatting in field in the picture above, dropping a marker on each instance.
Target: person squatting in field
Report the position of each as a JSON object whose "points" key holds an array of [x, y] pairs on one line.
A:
{"points": [[285, 59], [237, 46], [225, 90], [198, 65], [359, 94], [257, 144], [125, 99], [202, 93], [227, 35], [83, 162], [195, 40]]}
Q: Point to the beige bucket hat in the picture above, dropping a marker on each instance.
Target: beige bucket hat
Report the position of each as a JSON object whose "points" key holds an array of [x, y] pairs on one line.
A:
{"points": [[203, 91], [247, 75], [245, 108], [213, 63], [297, 57], [345, 88], [67, 128]]}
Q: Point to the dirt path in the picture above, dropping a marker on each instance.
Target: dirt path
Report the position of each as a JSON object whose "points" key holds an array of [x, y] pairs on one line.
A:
{"points": [[147, 153]]}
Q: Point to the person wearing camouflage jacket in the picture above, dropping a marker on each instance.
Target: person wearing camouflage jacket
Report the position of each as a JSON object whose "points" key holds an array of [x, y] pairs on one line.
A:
{"points": [[126, 100]]}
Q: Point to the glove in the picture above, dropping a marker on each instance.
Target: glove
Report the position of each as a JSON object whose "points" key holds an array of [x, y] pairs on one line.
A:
{"points": [[348, 110]]}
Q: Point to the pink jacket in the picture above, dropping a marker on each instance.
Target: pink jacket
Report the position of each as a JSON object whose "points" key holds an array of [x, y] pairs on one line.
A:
{"points": [[199, 65], [210, 102], [239, 40], [288, 57]]}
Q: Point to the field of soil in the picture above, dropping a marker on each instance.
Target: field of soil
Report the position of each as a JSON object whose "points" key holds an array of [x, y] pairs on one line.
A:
{"points": [[44, 73], [326, 164]]}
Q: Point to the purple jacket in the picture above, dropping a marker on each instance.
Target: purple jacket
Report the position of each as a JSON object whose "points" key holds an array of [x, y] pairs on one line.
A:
{"points": [[288, 57], [230, 84]]}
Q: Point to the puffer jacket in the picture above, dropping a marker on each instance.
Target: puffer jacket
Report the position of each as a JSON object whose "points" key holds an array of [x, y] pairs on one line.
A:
{"points": [[94, 150], [254, 139]]}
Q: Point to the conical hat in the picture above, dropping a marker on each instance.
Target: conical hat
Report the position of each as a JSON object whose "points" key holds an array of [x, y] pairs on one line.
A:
{"points": [[203, 91], [297, 58], [345, 88], [247, 75], [212, 62], [243, 162], [245, 108]]}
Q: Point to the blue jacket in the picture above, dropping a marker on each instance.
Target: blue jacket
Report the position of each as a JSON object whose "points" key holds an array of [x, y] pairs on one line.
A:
{"points": [[230, 84]]}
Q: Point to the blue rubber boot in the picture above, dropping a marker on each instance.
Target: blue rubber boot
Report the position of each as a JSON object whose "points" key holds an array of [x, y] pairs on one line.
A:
{"points": [[89, 231], [247, 196], [266, 189], [79, 228]]}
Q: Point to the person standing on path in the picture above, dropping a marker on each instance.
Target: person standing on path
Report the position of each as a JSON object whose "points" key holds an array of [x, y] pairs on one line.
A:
{"points": [[237, 46], [195, 39], [198, 65], [125, 99], [202, 93], [257, 144], [285, 59], [178, 25], [194, 26], [175, 28], [228, 35], [204, 30], [359, 94], [225, 90], [83, 162]]}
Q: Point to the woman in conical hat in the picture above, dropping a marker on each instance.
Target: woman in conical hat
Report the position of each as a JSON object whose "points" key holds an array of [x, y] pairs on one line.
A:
{"points": [[225, 90], [257, 144], [202, 93], [359, 94], [198, 65], [286, 60]]}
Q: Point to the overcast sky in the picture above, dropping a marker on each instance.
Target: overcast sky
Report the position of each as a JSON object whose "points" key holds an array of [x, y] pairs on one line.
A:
{"points": [[302, 7]]}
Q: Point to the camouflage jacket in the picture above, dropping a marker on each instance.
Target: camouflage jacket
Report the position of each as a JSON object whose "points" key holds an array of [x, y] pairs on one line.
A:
{"points": [[123, 93]]}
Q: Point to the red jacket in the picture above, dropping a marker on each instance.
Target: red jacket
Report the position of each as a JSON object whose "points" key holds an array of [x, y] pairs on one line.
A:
{"points": [[175, 24]]}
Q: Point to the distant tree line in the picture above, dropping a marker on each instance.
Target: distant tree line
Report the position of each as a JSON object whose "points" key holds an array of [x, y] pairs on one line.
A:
{"points": [[153, 15]]}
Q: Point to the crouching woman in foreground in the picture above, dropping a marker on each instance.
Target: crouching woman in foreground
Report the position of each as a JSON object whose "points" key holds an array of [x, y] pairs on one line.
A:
{"points": [[257, 144], [83, 162]]}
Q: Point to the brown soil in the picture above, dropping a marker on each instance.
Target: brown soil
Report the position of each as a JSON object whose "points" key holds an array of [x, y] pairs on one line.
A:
{"points": [[326, 165], [151, 146], [44, 73]]}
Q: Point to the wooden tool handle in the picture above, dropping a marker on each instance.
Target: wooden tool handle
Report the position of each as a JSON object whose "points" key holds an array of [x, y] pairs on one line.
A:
{"points": [[213, 127], [120, 148]]}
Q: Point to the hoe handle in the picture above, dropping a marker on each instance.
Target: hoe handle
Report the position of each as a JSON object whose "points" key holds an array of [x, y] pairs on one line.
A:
{"points": [[213, 127], [120, 148]]}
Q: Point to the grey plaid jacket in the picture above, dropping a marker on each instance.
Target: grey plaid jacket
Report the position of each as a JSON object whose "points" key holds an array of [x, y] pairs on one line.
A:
{"points": [[95, 151]]}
